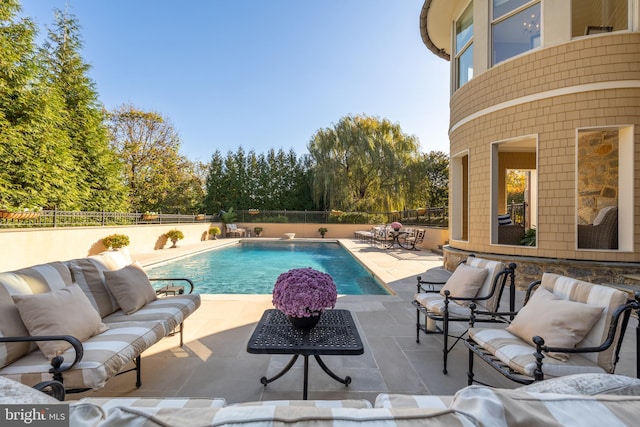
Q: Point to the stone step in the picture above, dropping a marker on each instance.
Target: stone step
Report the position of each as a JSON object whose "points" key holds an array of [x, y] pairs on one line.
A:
{"points": [[632, 278]]}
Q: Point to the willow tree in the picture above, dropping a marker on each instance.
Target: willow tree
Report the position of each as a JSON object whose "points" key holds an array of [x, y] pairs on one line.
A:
{"points": [[362, 164]]}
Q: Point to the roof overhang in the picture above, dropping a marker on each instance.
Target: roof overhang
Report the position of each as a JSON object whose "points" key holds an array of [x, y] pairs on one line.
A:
{"points": [[435, 26]]}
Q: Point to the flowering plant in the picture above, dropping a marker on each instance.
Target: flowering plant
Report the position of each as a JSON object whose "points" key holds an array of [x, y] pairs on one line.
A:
{"points": [[304, 292], [396, 225]]}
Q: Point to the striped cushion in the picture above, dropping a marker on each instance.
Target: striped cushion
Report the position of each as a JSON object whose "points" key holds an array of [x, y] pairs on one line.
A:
{"points": [[515, 408], [275, 416], [36, 279], [114, 260], [171, 311], [434, 303], [518, 354], [396, 401], [345, 403], [598, 295], [150, 404], [504, 219], [105, 355], [88, 273], [494, 267]]}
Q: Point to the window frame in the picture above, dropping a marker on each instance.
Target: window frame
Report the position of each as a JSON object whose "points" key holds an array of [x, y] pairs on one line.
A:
{"points": [[495, 193], [459, 51], [626, 200], [535, 40]]}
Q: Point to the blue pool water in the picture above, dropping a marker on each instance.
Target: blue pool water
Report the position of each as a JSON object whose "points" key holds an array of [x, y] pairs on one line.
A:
{"points": [[253, 267]]}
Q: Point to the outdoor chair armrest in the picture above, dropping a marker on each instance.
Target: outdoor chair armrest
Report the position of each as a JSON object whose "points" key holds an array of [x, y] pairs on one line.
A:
{"points": [[174, 279], [448, 297], [54, 389], [423, 289], [504, 315], [430, 285], [530, 288], [57, 369]]}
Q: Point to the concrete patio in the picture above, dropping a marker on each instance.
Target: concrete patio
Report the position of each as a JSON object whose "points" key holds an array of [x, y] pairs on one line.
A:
{"points": [[214, 363]]}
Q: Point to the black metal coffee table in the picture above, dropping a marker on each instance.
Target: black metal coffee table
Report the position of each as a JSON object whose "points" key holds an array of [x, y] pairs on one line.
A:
{"points": [[335, 334]]}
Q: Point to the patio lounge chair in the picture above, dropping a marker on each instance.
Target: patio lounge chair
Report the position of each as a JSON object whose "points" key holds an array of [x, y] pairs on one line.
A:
{"points": [[566, 326], [234, 231], [475, 280]]}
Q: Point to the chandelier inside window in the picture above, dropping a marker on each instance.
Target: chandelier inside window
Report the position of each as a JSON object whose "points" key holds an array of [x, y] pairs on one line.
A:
{"points": [[531, 27]]}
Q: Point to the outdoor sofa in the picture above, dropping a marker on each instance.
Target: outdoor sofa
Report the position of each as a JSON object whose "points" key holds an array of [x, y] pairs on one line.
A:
{"points": [[85, 320], [579, 400]]}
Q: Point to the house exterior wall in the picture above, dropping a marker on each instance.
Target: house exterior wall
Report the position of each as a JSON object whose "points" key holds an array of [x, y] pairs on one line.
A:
{"points": [[550, 92]]}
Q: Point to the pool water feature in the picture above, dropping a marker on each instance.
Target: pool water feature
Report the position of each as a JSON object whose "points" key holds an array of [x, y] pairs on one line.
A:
{"points": [[253, 267]]}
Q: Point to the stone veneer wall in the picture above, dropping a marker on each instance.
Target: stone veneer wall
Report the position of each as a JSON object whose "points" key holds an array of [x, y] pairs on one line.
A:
{"points": [[529, 269]]}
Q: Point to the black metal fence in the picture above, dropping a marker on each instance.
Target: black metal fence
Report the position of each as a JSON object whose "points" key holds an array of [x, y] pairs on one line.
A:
{"points": [[434, 217]]}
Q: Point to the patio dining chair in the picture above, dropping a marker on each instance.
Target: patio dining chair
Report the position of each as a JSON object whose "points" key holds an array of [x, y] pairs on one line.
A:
{"points": [[415, 238], [475, 280], [566, 326]]}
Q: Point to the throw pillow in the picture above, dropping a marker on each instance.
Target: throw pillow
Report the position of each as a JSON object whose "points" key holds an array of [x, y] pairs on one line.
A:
{"points": [[65, 311], [562, 323], [131, 287], [465, 282]]}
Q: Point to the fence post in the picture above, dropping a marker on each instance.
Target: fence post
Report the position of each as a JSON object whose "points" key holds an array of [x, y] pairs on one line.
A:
{"points": [[55, 217]]}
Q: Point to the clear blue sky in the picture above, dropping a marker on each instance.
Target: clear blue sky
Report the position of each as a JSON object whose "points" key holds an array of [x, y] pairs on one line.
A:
{"points": [[262, 74]]}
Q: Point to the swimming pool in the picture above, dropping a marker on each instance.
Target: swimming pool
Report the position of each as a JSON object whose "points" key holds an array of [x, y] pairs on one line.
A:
{"points": [[253, 267]]}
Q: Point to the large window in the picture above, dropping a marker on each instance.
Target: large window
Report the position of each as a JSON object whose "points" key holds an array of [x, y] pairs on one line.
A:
{"points": [[590, 17], [515, 28], [605, 198], [464, 47], [514, 195]]}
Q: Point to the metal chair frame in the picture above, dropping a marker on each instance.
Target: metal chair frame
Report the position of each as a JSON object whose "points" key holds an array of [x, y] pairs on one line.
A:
{"points": [[504, 277]]}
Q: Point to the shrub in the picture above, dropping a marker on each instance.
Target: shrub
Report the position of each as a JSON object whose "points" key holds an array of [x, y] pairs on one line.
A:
{"points": [[174, 235], [115, 241], [214, 231]]}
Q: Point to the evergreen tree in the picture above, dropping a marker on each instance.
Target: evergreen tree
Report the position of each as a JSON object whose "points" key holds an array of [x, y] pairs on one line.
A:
{"points": [[35, 162], [99, 173], [215, 194]]}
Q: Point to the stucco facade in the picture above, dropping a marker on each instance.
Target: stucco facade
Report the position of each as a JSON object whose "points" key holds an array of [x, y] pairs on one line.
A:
{"points": [[568, 111]]}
